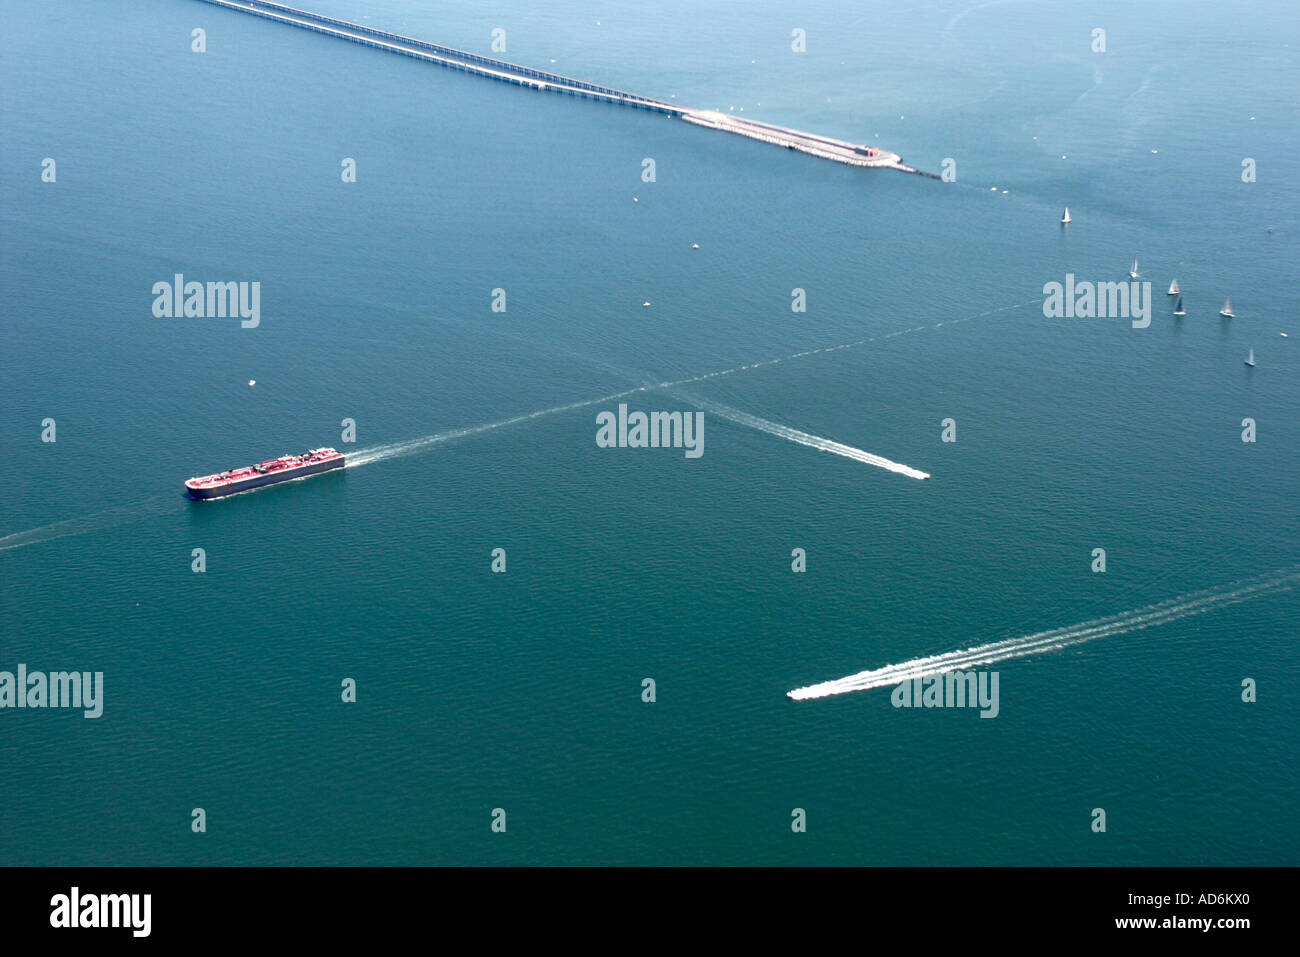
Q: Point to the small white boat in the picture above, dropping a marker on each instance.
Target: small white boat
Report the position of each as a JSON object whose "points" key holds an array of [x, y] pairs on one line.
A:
{"points": [[1251, 361], [252, 382], [1133, 273], [695, 245], [1178, 307], [1226, 311], [1066, 218], [646, 304], [1173, 288]]}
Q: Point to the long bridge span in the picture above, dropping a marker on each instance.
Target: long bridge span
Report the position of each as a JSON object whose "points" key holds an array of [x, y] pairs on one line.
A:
{"points": [[840, 151]]}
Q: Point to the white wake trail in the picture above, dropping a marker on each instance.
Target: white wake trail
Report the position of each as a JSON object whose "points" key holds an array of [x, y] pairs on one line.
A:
{"points": [[855, 344], [101, 520], [807, 438], [1194, 603], [378, 453], [391, 450]]}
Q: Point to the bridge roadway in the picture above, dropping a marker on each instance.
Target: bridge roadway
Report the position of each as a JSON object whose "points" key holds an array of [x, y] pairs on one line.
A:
{"points": [[840, 151]]}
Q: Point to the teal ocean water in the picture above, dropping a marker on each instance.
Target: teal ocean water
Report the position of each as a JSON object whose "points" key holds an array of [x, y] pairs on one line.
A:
{"points": [[522, 690]]}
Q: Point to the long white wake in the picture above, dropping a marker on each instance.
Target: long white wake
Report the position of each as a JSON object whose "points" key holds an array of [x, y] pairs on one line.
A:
{"points": [[91, 522], [855, 344], [393, 449], [807, 438], [95, 521], [1194, 603]]}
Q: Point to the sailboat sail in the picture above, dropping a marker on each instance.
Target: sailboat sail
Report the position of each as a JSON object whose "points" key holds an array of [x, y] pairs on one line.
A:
{"points": [[1173, 288], [1226, 311], [1178, 307], [1133, 273], [1066, 217]]}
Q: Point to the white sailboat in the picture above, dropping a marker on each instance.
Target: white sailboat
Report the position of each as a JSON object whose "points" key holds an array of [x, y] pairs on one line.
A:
{"points": [[1133, 273], [1178, 307], [1173, 288], [1251, 361], [1226, 311], [1066, 218]]}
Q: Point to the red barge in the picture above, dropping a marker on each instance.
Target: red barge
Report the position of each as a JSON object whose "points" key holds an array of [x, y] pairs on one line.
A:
{"points": [[270, 472]]}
